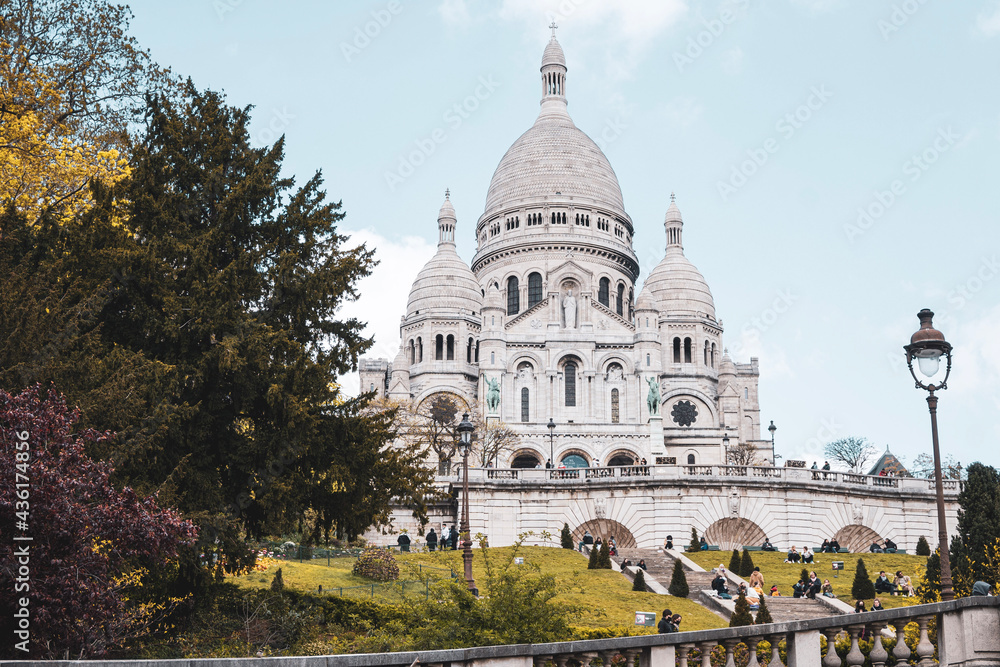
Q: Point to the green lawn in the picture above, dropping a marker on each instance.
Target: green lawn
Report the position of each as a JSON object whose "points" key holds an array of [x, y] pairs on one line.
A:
{"points": [[784, 575], [603, 598]]}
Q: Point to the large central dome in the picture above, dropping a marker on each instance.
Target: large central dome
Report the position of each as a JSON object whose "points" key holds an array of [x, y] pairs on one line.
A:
{"points": [[554, 160]]}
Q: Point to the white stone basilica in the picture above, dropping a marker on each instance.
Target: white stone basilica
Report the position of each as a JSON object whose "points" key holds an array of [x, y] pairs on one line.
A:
{"points": [[546, 313]]}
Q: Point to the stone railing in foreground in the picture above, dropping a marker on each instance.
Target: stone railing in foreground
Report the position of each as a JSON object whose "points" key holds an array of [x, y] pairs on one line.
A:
{"points": [[682, 472], [968, 636]]}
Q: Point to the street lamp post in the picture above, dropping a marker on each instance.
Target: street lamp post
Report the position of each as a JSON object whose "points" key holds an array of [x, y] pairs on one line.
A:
{"points": [[552, 431], [927, 345], [772, 428], [725, 447], [465, 429]]}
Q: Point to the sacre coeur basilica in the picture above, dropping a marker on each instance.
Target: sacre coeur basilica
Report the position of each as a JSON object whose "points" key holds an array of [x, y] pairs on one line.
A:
{"points": [[548, 326]]}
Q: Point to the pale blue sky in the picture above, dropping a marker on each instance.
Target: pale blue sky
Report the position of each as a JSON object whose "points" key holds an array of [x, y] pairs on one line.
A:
{"points": [[887, 81]]}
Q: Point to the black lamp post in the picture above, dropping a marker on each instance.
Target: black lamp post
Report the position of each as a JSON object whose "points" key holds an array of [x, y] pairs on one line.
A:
{"points": [[772, 428], [465, 429], [725, 446], [928, 345], [552, 431]]}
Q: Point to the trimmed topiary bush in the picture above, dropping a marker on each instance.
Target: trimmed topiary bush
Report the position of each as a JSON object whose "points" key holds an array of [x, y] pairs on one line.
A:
{"points": [[695, 542], [804, 575], [746, 565], [593, 559], [604, 558], [639, 583], [923, 548], [763, 615], [565, 537], [741, 615], [734, 562], [377, 564], [862, 588], [278, 582], [678, 582]]}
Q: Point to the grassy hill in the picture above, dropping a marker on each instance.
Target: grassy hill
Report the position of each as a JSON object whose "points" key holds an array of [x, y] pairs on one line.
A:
{"points": [[601, 598], [784, 575]]}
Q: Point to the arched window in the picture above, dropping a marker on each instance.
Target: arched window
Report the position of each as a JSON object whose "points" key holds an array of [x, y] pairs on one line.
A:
{"points": [[647, 360], [614, 406], [439, 347], [413, 352], [713, 355], [604, 293], [420, 349], [477, 352], [513, 298], [534, 288], [690, 459], [631, 310], [706, 353], [619, 307], [687, 350], [371, 387], [451, 348], [468, 352], [524, 404], [746, 393], [677, 350], [570, 373], [525, 460]]}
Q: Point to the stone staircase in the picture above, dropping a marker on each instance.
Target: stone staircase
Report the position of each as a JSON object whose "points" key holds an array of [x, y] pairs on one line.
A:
{"points": [[660, 566]]}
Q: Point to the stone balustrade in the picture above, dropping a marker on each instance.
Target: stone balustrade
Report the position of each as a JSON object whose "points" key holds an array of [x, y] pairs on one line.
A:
{"points": [[680, 472], [968, 636]]}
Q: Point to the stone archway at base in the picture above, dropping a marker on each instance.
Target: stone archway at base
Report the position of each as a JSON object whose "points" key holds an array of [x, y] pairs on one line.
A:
{"points": [[856, 537], [734, 533], [605, 528]]}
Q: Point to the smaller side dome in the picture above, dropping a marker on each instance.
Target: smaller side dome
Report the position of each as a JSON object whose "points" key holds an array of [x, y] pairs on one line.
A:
{"points": [[553, 54], [645, 300], [675, 283], [446, 285]]}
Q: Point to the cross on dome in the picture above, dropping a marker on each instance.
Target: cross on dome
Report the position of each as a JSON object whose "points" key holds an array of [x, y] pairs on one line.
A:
{"points": [[553, 26]]}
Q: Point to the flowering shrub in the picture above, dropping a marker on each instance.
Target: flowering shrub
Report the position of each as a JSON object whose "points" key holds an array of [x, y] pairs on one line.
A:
{"points": [[377, 564]]}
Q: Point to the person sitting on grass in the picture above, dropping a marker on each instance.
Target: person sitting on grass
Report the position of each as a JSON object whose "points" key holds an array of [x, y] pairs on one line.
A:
{"points": [[775, 593], [767, 546], [807, 555], [665, 625], [827, 589], [793, 556], [903, 584], [883, 585], [825, 547], [798, 589], [875, 548], [890, 546], [813, 586]]}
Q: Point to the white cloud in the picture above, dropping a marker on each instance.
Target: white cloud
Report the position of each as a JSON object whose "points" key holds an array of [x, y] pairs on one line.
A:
{"points": [[732, 61], [384, 292], [988, 21], [455, 12]]}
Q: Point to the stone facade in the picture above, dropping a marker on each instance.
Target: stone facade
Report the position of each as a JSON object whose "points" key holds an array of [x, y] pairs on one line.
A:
{"points": [[547, 311]]}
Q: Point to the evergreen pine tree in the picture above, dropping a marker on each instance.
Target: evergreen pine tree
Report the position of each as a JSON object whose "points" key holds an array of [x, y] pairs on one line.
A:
{"points": [[604, 558], [678, 582], [929, 588], [763, 615], [278, 582], [741, 614], [639, 583], [734, 562], [746, 565], [923, 548], [862, 588], [978, 522], [594, 557], [963, 568], [804, 574], [565, 537], [695, 542]]}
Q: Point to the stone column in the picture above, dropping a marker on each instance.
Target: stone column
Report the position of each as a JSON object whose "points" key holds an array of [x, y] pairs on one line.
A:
{"points": [[803, 648], [970, 636], [656, 436], [661, 656]]}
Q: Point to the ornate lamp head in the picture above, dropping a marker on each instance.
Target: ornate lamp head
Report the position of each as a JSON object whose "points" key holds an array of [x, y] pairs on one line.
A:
{"points": [[465, 429], [927, 346]]}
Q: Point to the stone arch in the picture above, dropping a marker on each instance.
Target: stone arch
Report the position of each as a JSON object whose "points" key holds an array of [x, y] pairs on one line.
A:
{"points": [[615, 357], [583, 360], [428, 394], [620, 451], [605, 528], [693, 393], [525, 355], [573, 449], [856, 537], [733, 533], [524, 453]]}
